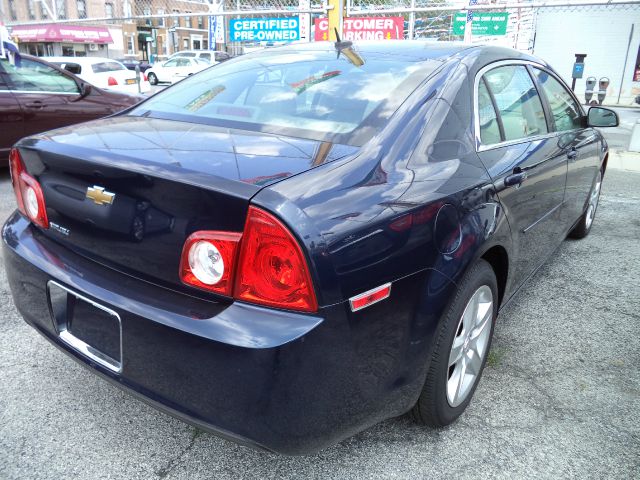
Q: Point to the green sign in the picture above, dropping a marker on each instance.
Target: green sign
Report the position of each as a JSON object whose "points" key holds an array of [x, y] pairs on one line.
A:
{"points": [[484, 23]]}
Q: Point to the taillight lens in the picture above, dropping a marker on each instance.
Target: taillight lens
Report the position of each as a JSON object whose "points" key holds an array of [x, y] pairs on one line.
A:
{"points": [[263, 265], [208, 259], [112, 82], [272, 269], [144, 75], [28, 193]]}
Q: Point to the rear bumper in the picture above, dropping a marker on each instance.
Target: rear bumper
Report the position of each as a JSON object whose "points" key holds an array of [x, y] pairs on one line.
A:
{"points": [[281, 381]]}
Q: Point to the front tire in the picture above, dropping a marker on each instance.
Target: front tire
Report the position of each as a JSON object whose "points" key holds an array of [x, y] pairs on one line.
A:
{"points": [[153, 80], [461, 349], [583, 227]]}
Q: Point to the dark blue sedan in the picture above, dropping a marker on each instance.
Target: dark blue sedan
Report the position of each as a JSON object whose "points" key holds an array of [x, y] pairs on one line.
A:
{"points": [[293, 245]]}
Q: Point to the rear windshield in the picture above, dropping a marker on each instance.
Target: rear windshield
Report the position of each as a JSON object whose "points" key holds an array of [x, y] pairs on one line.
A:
{"points": [[302, 93], [107, 67]]}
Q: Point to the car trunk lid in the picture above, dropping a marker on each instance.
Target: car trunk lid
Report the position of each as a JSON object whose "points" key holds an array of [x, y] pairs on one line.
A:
{"points": [[127, 191]]}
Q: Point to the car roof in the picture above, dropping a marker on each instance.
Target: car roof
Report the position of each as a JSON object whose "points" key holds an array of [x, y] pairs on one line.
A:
{"points": [[80, 60], [414, 50]]}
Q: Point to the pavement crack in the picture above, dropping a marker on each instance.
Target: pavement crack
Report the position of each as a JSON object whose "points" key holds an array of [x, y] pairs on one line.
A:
{"points": [[165, 471]]}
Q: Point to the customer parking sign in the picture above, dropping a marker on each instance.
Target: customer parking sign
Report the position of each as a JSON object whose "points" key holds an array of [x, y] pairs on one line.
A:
{"points": [[264, 29]]}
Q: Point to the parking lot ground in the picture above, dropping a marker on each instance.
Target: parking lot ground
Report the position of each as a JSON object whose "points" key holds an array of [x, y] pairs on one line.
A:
{"points": [[560, 397]]}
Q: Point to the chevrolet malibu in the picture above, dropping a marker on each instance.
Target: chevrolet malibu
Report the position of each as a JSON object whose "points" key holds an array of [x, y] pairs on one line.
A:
{"points": [[295, 244]]}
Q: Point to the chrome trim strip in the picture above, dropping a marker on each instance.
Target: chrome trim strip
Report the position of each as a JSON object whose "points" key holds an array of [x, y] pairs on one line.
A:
{"points": [[40, 91], [543, 218], [367, 293], [78, 344]]}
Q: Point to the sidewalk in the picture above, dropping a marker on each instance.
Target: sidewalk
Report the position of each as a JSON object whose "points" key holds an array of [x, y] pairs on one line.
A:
{"points": [[621, 160]]}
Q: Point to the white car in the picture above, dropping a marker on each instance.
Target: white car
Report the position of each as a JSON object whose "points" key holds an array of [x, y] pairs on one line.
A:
{"points": [[209, 56], [175, 69], [103, 72]]}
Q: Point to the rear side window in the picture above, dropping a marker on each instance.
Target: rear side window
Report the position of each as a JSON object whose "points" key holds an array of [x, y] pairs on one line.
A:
{"points": [[73, 68], [107, 67], [489, 124], [517, 100], [567, 114], [205, 56]]}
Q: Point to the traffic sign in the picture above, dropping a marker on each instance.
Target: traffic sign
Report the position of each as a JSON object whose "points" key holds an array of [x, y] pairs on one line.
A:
{"points": [[363, 28], [483, 23]]}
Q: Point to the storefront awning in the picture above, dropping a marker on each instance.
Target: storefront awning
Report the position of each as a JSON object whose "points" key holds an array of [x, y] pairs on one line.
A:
{"points": [[62, 33]]}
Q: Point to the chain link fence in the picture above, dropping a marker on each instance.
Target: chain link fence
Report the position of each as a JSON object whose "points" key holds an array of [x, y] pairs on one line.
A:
{"points": [[151, 29]]}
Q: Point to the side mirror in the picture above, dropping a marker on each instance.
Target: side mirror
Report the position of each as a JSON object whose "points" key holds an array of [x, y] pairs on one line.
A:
{"points": [[602, 117], [85, 89]]}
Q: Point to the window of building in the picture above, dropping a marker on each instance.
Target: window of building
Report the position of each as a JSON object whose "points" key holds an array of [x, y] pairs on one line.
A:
{"points": [[161, 20], [82, 8], [185, 44], [131, 46], [201, 23], [61, 9], [176, 20], [31, 9], [187, 21], [12, 10], [108, 10], [44, 14]]}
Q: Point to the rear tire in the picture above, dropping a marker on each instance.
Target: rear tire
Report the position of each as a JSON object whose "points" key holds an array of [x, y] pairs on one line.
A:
{"points": [[461, 349], [153, 80], [583, 227]]}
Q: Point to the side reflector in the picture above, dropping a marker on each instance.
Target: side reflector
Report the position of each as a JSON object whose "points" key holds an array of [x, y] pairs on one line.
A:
{"points": [[370, 297]]}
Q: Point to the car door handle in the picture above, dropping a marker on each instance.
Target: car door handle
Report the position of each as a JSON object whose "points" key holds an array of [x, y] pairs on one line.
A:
{"points": [[36, 104], [515, 179], [572, 154]]}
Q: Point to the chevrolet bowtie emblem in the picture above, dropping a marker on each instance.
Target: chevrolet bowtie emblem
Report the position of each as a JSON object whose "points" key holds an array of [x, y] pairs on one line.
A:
{"points": [[99, 196]]}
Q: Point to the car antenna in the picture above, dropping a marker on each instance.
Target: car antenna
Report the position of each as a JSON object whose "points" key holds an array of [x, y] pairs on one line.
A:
{"points": [[346, 48]]}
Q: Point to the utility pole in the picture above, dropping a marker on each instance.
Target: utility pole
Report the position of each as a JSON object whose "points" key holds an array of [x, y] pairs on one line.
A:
{"points": [[335, 17], [468, 26]]}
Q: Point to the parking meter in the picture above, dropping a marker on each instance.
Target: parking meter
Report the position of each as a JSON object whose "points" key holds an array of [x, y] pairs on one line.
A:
{"points": [[138, 78], [578, 69], [603, 84], [591, 85]]}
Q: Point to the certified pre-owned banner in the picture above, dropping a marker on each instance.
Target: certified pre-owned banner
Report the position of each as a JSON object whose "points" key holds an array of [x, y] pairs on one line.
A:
{"points": [[264, 29]]}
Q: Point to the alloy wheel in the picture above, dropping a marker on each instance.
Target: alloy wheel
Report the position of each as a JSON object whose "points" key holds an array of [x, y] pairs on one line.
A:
{"points": [[469, 346], [593, 201]]}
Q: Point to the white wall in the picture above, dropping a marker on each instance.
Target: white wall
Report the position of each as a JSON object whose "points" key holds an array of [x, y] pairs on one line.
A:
{"points": [[602, 33]]}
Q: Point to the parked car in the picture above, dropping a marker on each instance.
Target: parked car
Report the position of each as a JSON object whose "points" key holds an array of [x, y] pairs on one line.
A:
{"points": [[209, 56], [282, 253], [36, 96], [132, 63], [105, 73], [175, 69]]}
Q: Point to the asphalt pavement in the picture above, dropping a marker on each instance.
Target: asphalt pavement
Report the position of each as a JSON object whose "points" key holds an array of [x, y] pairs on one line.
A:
{"points": [[560, 397]]}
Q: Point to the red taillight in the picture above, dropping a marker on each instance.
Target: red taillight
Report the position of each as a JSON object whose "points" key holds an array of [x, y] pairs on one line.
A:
{"points": [[208, 260], [112, 82], [268, 268], [272, 269], [27, 190], [144, 75]]}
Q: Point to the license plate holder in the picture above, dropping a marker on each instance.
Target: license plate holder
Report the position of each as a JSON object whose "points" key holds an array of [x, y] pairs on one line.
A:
{"points": [[91, 329]]}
